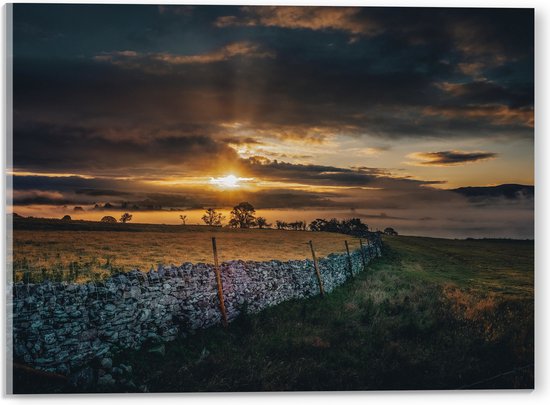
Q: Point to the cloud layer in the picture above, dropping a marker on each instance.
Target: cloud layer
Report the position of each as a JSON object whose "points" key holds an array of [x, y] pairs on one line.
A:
{"points": [[321, 105], [451, 157]]}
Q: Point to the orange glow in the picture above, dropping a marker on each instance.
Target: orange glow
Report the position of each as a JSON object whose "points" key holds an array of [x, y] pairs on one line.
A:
{"points": [[229, 181]]}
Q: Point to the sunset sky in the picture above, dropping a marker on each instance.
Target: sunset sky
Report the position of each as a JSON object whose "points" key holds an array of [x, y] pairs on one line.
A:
{"points": [[303, 111]]}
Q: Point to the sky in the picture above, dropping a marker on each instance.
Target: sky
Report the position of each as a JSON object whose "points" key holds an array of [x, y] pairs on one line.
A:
{"points": [[305, 112]]}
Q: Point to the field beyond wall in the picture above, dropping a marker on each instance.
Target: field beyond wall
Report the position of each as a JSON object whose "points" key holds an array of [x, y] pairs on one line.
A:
{"points": [[100, 249]]}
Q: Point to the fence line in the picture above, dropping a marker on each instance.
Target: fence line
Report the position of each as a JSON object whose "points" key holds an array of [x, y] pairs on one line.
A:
{"points": [[59, 325]]}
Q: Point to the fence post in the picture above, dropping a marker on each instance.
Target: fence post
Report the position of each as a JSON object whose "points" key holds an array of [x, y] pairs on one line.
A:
{"points": [[321, 290], [363, 255], [368, 249], [219, 282], [349, 258]]}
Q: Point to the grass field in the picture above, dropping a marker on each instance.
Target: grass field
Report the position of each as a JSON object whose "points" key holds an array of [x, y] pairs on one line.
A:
{"points": [[89, 250], [504, 268], [429, 314]]}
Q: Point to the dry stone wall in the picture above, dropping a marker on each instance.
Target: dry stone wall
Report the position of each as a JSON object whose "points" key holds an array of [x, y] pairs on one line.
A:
{"points": [[62, 326]]}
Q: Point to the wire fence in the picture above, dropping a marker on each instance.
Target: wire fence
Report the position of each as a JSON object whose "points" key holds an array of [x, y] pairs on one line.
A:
{"points": [[94, 271]]}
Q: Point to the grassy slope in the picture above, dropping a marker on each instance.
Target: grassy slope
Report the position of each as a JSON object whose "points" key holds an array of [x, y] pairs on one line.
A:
{"points": [[418, 319], [503, 267]]}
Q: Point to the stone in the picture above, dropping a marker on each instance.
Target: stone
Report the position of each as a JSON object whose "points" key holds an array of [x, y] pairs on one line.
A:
{"points": [[68, 325], [44, 361], [126, 369], [146, 313], [50, 338], [106, 381], [83, 378], [159, 349], [106, 363], [37, 324], [62, 356], [63, 368], [134, 292], [104, 349]]}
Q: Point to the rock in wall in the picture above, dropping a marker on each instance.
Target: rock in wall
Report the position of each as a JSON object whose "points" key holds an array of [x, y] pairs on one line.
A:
{"points": [[62, 326]]}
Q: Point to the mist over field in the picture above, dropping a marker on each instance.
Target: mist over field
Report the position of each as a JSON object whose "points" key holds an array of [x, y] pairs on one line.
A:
{"points": [[457, 218]]}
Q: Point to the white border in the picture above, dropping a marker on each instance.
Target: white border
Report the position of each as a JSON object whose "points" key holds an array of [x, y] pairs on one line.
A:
{"points": [[542, 224]]}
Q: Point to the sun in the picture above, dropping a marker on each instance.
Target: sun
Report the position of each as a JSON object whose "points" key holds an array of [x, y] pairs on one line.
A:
{"points": [[229, 181]]}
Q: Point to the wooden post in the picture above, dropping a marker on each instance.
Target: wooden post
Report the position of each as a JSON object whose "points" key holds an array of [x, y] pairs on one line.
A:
{"points": [[321, 290], [363, 254], [219, 282], [349, 258]]}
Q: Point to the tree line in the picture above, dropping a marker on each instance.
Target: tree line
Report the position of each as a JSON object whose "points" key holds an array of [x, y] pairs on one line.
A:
{"points": [[243, 215]]}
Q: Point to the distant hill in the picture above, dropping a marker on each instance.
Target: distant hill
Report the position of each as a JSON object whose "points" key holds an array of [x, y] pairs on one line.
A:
{"points": [[511, 191]]}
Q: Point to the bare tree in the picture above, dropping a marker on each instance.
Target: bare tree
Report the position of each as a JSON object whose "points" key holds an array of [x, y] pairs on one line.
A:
{"points": [[281, 224], [126, 217], [183, 219], [212, 217], [262, 223]]}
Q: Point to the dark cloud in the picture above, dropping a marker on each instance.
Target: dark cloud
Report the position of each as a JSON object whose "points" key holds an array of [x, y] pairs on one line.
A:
{"points": [[119, 92], [320, 175], [313, 174], [177, 10], [100, 192], [487, 92], [384, 216], [451, 157], [80, 149], [386, 85]]}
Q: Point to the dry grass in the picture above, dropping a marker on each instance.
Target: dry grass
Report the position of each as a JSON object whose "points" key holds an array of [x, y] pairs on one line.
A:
{"points": [[102, 250]]}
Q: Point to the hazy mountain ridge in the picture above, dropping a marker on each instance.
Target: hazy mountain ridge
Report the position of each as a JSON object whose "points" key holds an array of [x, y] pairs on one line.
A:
{"points": [[510, 191]]}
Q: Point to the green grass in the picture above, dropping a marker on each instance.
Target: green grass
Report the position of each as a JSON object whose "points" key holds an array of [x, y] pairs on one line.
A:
{"points": [[430, 314], [504, 267]]}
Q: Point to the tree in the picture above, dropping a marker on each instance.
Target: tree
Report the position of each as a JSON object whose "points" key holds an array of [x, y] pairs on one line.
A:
{"points": [[295, 225], [126, 217], [262, 223], [353, 226], [242, 216], [317, 225], [66, 218], [183, 219], [212, 217], [281, 224], [390, 232], [108, 219]]}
